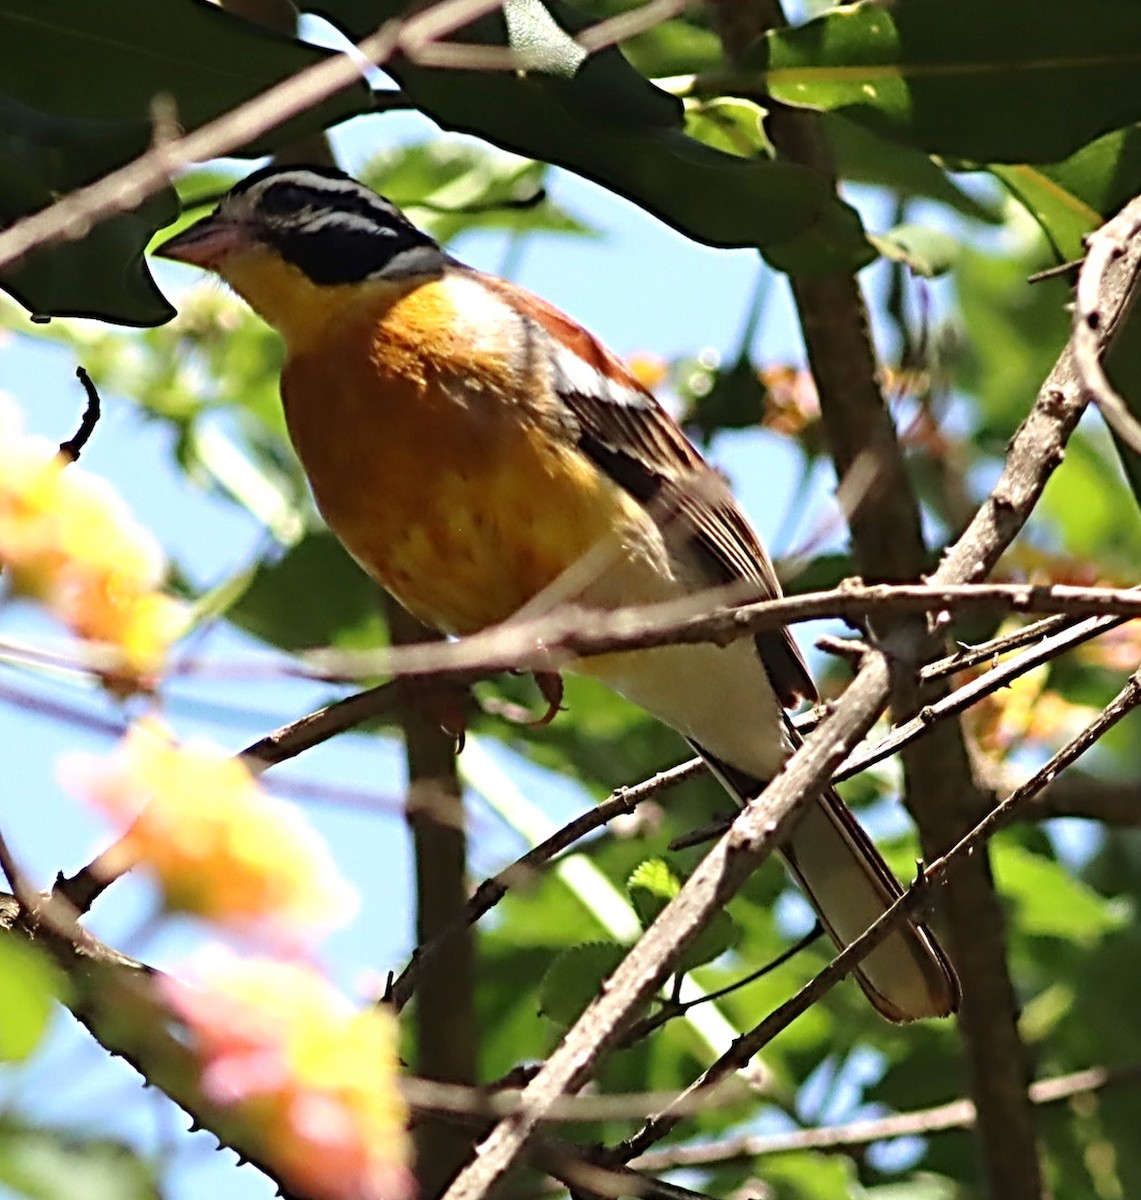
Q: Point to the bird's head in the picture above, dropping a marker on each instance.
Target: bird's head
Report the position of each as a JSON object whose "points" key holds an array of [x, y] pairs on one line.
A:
{"points": [[286, 237]]}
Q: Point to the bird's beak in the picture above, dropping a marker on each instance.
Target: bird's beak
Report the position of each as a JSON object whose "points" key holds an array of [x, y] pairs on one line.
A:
{"points": [[205, 243]]}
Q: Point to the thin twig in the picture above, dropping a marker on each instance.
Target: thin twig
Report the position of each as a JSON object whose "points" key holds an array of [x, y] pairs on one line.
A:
{"points": [[957, 1114], [70, 450], [971, 693], [489, 893]]}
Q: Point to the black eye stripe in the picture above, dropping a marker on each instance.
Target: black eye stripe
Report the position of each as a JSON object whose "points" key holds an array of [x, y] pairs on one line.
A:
{"points": [[330, 227]]}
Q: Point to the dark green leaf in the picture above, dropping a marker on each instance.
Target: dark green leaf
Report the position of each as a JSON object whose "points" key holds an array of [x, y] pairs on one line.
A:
{"points": [[104, 273], [1017, 81], [611, 125], [864, 157], [315, 595], [109, 62], [1071, 198], [80, 83]]}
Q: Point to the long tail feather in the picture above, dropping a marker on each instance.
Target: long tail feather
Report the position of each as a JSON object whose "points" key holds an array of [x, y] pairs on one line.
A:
{"points": [[907, 977]]}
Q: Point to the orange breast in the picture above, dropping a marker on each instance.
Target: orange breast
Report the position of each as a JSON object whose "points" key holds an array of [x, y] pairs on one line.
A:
{"points": [[423, 463]]}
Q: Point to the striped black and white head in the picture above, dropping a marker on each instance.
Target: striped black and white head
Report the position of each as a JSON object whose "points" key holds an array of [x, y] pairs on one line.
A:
{"points": [[314, 218]]}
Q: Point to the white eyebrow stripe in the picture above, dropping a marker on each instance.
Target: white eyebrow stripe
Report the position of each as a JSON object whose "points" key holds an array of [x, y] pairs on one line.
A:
{"points": [[570, 373], [313, 220]]}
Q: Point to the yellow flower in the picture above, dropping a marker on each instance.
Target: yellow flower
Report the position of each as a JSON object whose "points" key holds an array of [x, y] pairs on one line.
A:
{"points": [[218, 844], [312, 1078], [68, 541]]}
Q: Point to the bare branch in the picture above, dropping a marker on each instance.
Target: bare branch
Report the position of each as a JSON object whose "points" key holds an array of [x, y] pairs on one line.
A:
{"points": [[1106, 245], [958, 1114]]}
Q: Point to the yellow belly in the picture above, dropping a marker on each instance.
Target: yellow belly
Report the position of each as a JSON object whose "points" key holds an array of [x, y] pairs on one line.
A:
{"points": [[440, 490]]}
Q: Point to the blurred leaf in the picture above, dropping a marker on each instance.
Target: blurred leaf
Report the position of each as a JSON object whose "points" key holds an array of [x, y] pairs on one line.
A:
{"points": [[811, 1176], [1012, 82], [1123, 368], [29, 987], [735, 401], [574, 979], [47, 1164], [314, 595], [436, 181], [614, 127], [915, 1187], [1013, 332], [926, 250], [1092, 506], [1049, 901], [864, 157]]}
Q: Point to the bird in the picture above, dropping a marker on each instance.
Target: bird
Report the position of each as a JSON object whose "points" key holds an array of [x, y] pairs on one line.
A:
{"points": [[478, 453]]}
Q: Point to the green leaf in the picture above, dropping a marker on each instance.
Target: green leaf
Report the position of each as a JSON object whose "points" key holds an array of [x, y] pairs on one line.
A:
{"points": [[1017, 81], [29, 987], [574, 979], [48, 1164], [1071, 198], [1049, 901], [614, 127], [1123, 368], [314, 595], [1091, 505], [812, 1176], [922, 1186], [730, 124], [926, 251], [1013, 332], [651, 886]]}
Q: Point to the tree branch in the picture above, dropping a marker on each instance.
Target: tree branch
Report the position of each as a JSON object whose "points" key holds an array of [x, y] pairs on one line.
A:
{"points": [[958, 1114]]}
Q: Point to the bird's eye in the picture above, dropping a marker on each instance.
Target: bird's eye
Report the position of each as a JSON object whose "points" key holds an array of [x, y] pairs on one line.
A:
{"points": [[284, 198]]}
